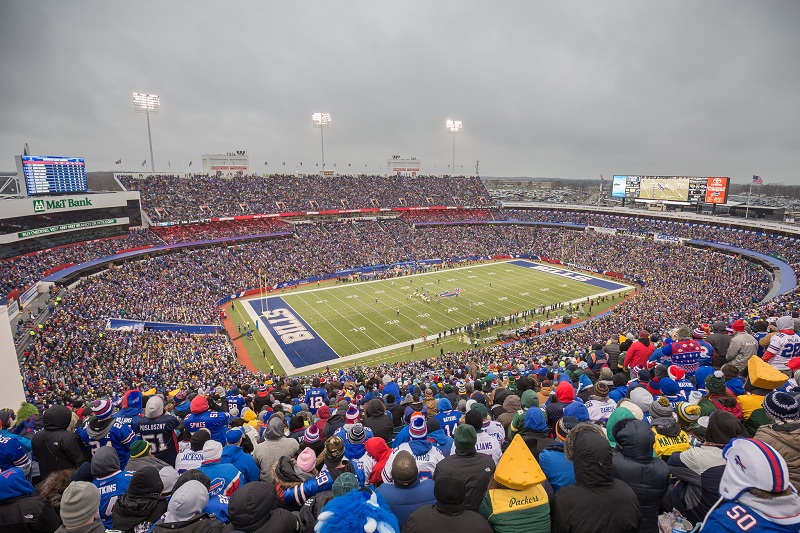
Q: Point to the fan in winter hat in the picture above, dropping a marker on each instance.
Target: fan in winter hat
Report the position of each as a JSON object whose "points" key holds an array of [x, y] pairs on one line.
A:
{"points": [[212, 451], [699, 333], [578, 410], [352, 416], [781, 405], [307, 460], [752, 464], [601, 389], [642, 398], [676, 373], [661, 408], [715, 383], [688, 414], [344, 484], [311, 434], [668, 387], [563, 427], [139, 448], [233, 436], [418, 428], [356, 434], [101, 409]]}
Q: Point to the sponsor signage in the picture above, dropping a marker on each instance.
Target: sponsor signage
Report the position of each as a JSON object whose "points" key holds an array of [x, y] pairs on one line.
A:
{"points": [[717, 191], [42, 205], [66, 227]]}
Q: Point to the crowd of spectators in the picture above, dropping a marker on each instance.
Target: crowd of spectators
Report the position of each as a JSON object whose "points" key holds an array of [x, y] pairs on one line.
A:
{"points": [[585, 429], [23, 271], [199, 197], [217, 230]]}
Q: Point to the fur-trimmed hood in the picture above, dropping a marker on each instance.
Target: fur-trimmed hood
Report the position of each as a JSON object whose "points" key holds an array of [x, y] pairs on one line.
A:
{"points": [[569, 445]]}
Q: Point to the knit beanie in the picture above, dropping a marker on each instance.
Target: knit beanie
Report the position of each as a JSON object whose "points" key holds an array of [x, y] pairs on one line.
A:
{"points": [[563, 427], [465, 438], [661, 408], [669, 387], [781, 405], [356, 434], [198, 439], [344, 484], [311, 435], [606, 373], [212, 451], [641, 398], [474, 419], [101, 409], [688, 414], [352, 416], [79, 503], [715, 383], [334, 448], [601, 389], [307, 460], [139, 448], [324, 412], [418, 428]]}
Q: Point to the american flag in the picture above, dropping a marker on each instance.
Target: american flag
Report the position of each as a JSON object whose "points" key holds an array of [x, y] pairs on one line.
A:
{"points": [[757, 180], [118, 162]]}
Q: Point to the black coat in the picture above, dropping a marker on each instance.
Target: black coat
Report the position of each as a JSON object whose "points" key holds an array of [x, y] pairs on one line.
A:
{"points": [[476, 469], [433, 519], [382, 426], [250, 510], [201, 523], [633, 463], [54, 447], [28, 514], [605, 504], [537, 441]]}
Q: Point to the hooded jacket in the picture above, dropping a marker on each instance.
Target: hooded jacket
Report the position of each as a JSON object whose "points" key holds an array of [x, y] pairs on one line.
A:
{"points": [[565, 395], [378, 420], [523, 505], [20, 509], [250, 510], [511, 405], [185, 512], [720, 341], [54, 447], [142, 504], [476, 469], [633, 463], [244, 462], [607, 505], [620, 413], [535, 432], [380, 452], [111, 481], [274, 446], [742, 347], [669, 437], [446, 515]]}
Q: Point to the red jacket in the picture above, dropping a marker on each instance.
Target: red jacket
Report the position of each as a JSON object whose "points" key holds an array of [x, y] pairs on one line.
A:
{"points": [[638, 354]]}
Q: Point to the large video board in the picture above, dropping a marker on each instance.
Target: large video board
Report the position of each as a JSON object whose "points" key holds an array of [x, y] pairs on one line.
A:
{"points": [[677, 189]]}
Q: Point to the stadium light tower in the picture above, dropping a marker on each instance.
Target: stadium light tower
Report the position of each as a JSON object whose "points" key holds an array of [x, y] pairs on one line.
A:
{"points": [[454, 126], [147, 104], [321, 121]]}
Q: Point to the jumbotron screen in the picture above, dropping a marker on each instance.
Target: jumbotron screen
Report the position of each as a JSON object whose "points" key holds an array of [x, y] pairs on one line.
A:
{"points": [[53, 174], [681, 189]]}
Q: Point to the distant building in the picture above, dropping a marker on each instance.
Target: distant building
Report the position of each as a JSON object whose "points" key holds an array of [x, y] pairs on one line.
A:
{"points": [[400, 166], [231, 163]]}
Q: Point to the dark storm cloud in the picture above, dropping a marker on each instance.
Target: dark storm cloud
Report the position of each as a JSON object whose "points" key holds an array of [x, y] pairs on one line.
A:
{"points": [[570, 89]]}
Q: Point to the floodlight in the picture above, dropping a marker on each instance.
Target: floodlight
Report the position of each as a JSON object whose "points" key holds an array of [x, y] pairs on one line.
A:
{"points": [[321, 121], [454, 126], [147, 104]]}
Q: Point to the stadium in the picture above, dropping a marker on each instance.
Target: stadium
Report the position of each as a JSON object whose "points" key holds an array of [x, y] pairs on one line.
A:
{"points": [[513, 275]]}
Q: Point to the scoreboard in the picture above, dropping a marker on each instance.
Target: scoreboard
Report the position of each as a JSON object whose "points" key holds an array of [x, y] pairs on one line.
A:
{"points": [[684, 190], [52, 174]]}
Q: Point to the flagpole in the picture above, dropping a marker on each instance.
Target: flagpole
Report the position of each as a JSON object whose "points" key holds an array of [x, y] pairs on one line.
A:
{"points": [[747, 208]]}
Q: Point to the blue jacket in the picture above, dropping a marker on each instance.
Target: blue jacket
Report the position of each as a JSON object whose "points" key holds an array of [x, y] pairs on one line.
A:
{"points": [[405, 500], [23, 441], [218, 506], [127, 416], [352, 450], [618, 393], [225, 478], [728, 516], [13, 484], [324, 481], [244, 462], [441, 440], [556, 467]]}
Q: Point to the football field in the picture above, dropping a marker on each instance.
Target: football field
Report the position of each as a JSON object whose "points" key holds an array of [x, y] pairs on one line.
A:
{"points": [[310, 327]]}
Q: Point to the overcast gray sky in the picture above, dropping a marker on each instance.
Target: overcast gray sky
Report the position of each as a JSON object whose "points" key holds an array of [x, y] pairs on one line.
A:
{"points": [[553, 88]]}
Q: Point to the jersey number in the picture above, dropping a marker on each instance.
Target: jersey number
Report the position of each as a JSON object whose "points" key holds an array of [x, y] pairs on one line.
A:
{"points": [[742, 518], [156, 442]]}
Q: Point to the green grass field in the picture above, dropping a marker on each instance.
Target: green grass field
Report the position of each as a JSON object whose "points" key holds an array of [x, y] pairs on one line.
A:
{"points": [[362, 317]]}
